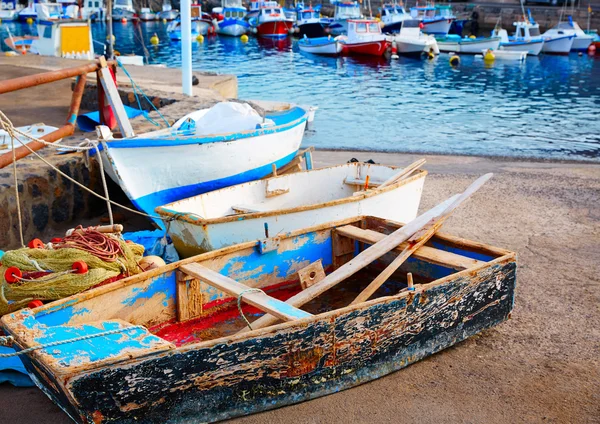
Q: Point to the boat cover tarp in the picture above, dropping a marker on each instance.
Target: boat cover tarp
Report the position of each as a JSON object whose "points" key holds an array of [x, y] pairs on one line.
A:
{"points": [[89, 121], [12, 370], [223, 118], [156, 243]]}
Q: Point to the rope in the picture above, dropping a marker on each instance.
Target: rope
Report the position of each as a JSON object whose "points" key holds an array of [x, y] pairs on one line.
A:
{"points": [[137, 87], [239, 303], [9, 340], [15, 176], [94, 242]]}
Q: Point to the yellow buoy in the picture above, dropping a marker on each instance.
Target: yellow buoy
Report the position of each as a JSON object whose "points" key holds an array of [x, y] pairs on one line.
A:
{"points": [[489, 56], [164, 20], [29, 21], [200, 38], [0, 21], [114, 39], [454, 60], [154, 40], [244, 38], [472, 37], [10, 53]]}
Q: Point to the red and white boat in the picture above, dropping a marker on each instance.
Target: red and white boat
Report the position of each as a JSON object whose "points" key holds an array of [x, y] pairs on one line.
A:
{"points": [[271, 21], [364, 38]]}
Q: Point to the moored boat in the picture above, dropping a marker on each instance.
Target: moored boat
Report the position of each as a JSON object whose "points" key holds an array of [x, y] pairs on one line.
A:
{"points": [[167, 13], [309, 22], [9, 10], [435, 20], [457, 44], [146, 14], [364, 38], [290, 202], [171, 344], [509, 55], [209, 149], [344, 11], [411, 40], [271, 22], [581, 40], [231, 18], [527, 38], [329, 46], [392, 16]]}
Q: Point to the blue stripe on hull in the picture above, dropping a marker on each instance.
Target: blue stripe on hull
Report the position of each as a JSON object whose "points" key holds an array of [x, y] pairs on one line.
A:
{"points": [[151, 201]]}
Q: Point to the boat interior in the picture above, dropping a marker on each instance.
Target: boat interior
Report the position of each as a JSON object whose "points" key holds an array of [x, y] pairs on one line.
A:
{"points": [[288, 191], [176, 308]]}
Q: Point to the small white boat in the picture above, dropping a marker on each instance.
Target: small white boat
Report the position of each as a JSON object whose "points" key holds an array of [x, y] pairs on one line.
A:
{"points": [[209, 149], [9, 10], [344, 11], [506, 55], [35, 130], [231, 18], [527, 38], [436, 20], [581, 40], [456, 44], [146, 14], [322, 45], [167, 13], [411, 39], [392, 16], [278, 205]]}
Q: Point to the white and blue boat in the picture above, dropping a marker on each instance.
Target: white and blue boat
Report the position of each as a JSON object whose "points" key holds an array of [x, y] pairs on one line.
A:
{"points": [[328, 46], [581, 40], [231, 20], [309, 22], [344, 10], [392, 16], [28, 12], [209, 149], [527, 38], [9, 10], [436, 20]]}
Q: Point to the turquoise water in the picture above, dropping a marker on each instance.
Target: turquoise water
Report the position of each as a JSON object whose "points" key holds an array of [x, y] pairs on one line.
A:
{"points": [[547, 107]]}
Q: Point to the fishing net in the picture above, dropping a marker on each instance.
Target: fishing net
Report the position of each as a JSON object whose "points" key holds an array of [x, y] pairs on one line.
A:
{"points": [[47, 273]]}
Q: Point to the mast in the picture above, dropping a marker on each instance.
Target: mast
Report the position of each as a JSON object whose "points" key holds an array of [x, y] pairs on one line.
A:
{"points": [[109, 30], [186, 46]]}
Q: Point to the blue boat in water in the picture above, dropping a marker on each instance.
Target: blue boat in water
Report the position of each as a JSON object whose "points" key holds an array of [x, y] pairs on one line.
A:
{"points": [[231, 18]]}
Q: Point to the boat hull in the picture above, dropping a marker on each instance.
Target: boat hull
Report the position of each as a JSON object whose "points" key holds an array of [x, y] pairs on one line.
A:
{"points": [[328, 48], [274, 29], [192, 236], [468, 46], [370, 48], [437, 27], [232, 27], [581, 44], [392, 28], [560, 45], [154, 172], [532, 48], [264, 369]]}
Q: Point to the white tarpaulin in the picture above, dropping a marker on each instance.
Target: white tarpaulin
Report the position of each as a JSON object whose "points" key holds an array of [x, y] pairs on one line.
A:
{"points": [[224, 117]]}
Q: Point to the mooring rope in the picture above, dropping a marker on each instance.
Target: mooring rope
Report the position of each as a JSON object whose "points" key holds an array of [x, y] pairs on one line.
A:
{"points": [[8, 341], [239, 303]]}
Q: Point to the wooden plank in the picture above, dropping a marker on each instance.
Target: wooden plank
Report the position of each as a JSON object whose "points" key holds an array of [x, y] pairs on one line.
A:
{"points": [[361, 182], [425, 253], [262, 301], [342, 247], [377, 250], [403, 173], [112, 94], [245, 209], [189, 297]]}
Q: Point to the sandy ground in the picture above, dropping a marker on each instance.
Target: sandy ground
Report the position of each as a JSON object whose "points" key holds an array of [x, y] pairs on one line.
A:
{"points": [[543, 365]]}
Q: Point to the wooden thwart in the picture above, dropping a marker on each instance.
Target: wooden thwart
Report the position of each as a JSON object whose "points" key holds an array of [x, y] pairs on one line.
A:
{"points": [[262, 301], [425, 253], [403, 173]]}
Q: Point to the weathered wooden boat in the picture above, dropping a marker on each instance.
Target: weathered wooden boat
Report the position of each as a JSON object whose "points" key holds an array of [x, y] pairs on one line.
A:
{"points": [[290, 202], [170, 345], [200, 154]]}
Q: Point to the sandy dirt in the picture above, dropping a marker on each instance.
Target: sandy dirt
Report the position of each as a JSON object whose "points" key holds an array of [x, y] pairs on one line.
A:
{"points": [[543, 365]]}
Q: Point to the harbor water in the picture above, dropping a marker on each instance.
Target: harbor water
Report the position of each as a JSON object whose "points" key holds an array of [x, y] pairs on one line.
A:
{"points": [[547, 107]]}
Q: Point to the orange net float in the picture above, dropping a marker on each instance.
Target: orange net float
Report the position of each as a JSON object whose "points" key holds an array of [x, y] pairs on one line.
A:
{"points": [[35, 304], [36, 244], [80, 267], [12, 275]]}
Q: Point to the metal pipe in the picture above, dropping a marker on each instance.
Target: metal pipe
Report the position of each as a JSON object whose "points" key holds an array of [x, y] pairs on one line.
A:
{"points": [[109, 30], [186, 46], [15, 84], [64, 131]]}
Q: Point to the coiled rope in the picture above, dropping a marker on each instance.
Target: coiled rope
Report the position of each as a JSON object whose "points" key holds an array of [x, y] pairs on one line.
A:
{"points": [[94, 242]]}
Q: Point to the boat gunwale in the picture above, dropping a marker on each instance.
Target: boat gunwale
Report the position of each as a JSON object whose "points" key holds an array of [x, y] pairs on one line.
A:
{"points": [[175, 140], [194, 219], [504, 256]]}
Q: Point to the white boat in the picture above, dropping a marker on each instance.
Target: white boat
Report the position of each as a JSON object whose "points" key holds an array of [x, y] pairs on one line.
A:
{"points": [[231, 18], [278, 205], [322, 45], [581, 40], [206, 150], [94, 9], [146, 14], [456, 44], [527, 38], [436, 20], [411, 39], [309, 22], [507, 55], [9, 10], [344, 11], [167, 13]]}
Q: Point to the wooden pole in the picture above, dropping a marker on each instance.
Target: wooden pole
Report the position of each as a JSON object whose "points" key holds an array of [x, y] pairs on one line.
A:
{"points": [[419, 239], [359, 262], [403, 173]]}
